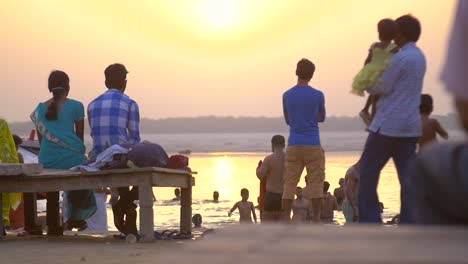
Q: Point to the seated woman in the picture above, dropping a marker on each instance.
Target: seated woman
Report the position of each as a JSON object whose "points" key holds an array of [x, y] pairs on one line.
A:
{"points": [[8, 154], [60, 125]]}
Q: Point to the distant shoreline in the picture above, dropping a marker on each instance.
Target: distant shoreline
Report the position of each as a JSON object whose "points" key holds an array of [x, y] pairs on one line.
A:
{"points": [[214, 124]]}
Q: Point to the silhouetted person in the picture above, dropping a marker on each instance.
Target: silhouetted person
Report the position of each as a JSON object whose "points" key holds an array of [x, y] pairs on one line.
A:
{"points": [[351, 190], [177, 194], [246, 209], [396, 127], [430, 126], [215, 196], [438, 183], [329, 204], [339, 193], [376, 62], [114, 118], [300, 207], [197, 220], [304, 108], [271, 170]]}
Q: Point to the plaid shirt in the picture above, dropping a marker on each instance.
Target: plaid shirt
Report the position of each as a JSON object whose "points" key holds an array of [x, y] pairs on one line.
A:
{"points": [[113, 118], [400, 94]]}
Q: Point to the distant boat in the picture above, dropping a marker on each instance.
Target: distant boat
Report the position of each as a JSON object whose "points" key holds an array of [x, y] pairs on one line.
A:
{"points": [[185, 152], [30, 148]]}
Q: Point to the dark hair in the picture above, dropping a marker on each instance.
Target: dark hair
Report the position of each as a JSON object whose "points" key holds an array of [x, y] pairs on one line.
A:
{"points": [[387, 29], [409, 27], [326, 186], [305, 69], [244, 190], [341, 181], [278, 141], [116, 74], [59, 85], [195, 218], [427, 104], [18, 140]]}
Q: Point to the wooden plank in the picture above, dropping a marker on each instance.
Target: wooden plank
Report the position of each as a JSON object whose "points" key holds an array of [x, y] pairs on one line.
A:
{"points": [[186, 209], [12, 169], [66, 173], [175, 180], [146, 209], [45, 183], [145, 169]]}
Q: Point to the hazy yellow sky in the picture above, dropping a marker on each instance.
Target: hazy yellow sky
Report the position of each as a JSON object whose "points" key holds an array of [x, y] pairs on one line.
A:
{"points": [[204, 57]]}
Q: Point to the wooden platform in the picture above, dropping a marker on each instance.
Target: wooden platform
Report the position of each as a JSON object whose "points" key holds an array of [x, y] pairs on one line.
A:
{"points": [[144, 178], [14, 169]]}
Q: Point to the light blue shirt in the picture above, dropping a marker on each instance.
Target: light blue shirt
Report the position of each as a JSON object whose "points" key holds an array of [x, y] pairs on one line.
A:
{"points": [[400, 94]]}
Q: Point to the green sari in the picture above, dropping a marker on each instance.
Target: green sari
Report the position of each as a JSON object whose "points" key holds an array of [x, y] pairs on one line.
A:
{"points": [[8, 154]]}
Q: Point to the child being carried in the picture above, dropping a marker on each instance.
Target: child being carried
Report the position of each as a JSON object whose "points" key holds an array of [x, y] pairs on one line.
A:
{"points": [[376, 63]]}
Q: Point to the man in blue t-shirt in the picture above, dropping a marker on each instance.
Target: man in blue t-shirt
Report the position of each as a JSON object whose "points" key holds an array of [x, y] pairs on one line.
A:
{"points": [[303, 108]]}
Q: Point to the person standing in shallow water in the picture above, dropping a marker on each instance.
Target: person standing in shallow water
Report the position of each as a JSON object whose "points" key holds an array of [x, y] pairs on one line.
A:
{"points": [[215, 196], [304, 108], [60, 125], [246, 209], [176, 194], [300, 208], [339, 194], [329, 204], [351, 190], [430, 126], [271, 171]]}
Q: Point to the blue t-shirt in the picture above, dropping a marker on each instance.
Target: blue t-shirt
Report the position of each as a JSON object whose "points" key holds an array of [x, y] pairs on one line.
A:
{"points": [[303, 108]]}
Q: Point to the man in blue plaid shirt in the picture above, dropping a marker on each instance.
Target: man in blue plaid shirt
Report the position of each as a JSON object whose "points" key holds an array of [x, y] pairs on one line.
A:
{"points": [[113, 117]]}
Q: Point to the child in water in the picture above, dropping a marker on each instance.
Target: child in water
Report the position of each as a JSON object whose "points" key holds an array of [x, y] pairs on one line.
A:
{"points": [[300, 207], [430, 126], [245, 209], [377, 61]]}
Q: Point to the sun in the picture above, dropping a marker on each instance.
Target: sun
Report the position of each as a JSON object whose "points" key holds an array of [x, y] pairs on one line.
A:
{"points": [[222, 15]]}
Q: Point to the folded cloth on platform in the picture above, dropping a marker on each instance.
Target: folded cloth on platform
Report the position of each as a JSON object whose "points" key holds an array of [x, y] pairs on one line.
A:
{"points": [[108, 155], [178, 162], [147, 154]]}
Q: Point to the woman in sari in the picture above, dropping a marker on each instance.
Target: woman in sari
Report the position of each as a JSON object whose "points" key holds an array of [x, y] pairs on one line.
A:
{"points": [[8, 154], [60, 125]]}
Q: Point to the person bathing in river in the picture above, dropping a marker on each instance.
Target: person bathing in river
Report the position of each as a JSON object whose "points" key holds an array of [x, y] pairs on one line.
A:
{"points": [[246, 209]]}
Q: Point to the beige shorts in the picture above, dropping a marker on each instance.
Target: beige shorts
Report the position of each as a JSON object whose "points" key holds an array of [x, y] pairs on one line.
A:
{"points": [[313, 159]]}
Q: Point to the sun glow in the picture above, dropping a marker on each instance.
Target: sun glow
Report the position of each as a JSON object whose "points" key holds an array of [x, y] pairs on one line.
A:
{"points": [[223, 16], [224, 168]]}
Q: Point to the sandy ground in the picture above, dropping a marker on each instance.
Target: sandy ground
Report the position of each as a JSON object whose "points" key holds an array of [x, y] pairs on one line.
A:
{"points": [[255, 244], [79, 249]]}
